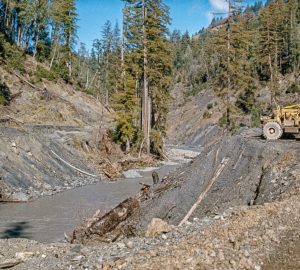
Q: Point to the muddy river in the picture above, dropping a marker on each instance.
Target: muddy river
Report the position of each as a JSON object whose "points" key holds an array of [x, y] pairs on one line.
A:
{"points": [[48, 218]]}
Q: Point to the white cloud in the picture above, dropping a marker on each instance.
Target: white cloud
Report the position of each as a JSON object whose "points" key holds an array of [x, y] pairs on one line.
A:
{"points": [[219, 5], [209, 15]]}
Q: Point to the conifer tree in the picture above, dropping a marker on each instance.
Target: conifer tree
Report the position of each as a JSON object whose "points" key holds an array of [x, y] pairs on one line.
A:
{"points": [[292, 35], [40, 31], [107, 42], [126, 107], [146, 58], [63, 17], [271, 41]]}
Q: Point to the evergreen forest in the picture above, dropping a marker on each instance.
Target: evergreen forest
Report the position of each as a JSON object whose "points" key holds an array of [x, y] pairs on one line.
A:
{"points": [[134, 64]]}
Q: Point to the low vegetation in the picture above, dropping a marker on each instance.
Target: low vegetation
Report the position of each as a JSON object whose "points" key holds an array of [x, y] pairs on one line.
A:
{"points": [[236, 57], [130, 67], [4, 94]]}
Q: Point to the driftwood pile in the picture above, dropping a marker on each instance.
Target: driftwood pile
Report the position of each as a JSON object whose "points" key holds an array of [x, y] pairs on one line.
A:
{"points": [[112, 225], [99, 226]]}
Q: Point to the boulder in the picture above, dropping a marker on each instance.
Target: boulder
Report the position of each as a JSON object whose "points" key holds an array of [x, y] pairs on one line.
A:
{"points": [[157, 227]]}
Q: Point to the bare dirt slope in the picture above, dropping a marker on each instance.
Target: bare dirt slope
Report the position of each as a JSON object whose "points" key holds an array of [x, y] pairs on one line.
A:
{"points": [[194, 118], [246, 214], [244, 193], [191, 123], [42, 128], [248, 217], [235, 171]]}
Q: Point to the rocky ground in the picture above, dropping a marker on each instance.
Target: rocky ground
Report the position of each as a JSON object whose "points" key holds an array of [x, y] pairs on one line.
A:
{"points": [[235, 171], [53, 138], [256, 237], [47, 128], [193, 124], [235, 206], [248, 217]]}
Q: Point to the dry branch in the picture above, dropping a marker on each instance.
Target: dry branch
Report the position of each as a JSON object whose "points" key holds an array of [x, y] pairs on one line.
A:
{"points": [[204, 193], [15, 95], [29, 83], [7, 118], [73, 167]]}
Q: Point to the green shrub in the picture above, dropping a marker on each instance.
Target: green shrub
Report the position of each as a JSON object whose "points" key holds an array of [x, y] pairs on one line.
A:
{"points": [[62, 71], [2, 101], [43, 51], [193, 91], [89, 91], [156, 143], [15, 59], [232, 126], [42, 73], [4, 94], [255, 117], [293, 88], [246, 101], [207, 115], [210, 106], [223, 120]]}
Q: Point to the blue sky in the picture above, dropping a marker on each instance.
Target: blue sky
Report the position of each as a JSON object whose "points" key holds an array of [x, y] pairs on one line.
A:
{"points": [[190, 15]]}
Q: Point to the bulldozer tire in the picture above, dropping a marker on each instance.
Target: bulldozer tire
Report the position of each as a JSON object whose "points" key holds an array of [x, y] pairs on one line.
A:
{"points": [[272, 131]]}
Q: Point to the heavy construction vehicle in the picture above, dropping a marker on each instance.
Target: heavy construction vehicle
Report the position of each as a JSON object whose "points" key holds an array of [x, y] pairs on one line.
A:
{"points": [[284, 120]]}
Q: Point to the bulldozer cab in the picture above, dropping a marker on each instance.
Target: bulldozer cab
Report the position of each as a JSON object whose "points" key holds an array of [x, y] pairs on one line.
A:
{"points": [[291, 115], [284, 120]]}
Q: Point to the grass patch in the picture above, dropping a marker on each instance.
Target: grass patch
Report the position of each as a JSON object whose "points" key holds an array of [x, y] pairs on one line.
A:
{"points": [[43, 73]]}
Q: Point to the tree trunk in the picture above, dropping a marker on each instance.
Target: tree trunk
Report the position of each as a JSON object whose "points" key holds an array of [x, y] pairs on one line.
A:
{"points": [[87, 79], [106, 79], [127, 145], [99, 225], [270, 66], [54, 53], [123, 52], [228, 67], [92, 81], [37, 32], [6, 16], [145, 103], [19, 37], [70, 66]]}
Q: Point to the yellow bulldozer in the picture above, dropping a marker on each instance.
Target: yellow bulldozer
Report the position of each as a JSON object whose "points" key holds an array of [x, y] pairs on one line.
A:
{"points": [[283, 120]]}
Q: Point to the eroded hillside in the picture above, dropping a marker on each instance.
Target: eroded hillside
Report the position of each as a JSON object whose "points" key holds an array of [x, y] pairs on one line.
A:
{"points": [[244, 195], [50, 137]]}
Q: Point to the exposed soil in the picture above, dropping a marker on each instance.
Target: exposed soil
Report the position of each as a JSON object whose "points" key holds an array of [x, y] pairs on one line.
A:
{"points": [[256, 237], [43, 139], [244, 191], [187, 124], [244, 171], [50, 144]]}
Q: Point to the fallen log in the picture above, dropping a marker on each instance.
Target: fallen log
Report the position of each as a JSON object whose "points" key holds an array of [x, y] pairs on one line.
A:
{"points": [[73, 167], [10, 263], [99, 225], [12, 97], [7, 118], [208, 188], [29, 83]]}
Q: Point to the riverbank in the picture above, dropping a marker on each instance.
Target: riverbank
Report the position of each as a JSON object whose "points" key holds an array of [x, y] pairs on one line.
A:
{"points": [[244, 192], [258, 238], [47, 219]]}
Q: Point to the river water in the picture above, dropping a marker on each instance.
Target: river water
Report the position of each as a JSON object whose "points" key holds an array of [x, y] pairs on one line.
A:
{"points": [[48, 218]]}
